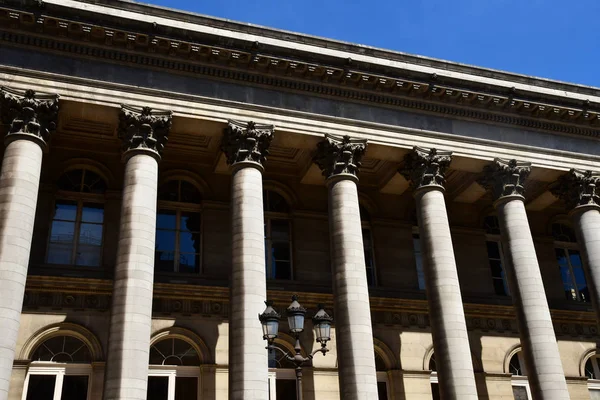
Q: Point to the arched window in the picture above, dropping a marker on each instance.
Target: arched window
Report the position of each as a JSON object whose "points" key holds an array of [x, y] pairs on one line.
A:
{"points": [[178, 228], [592, 372], [382, 379], [495, 255], [569, 263], [520, 385], [278, 249], [367, 236], [76, 233], [282, 376], [60, 370], [174, 370]]}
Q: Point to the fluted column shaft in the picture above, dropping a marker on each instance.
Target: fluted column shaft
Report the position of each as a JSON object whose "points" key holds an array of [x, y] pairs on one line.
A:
{"points": [[425, 168], [339, 158], [128, 352], [246, 146], [540, 349], [19, 184]]}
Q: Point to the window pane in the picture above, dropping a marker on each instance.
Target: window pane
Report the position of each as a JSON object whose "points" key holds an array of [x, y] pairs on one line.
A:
{"points": [[93, 183], [366, 234], [280, 230], [90, 234], [520, 392], [285, 389], [169, 191], [589, 369], [435, 391], [275, 202], [65, 210], [281, 251], [75, 387], [499, 287], [89, 256], [62, 232], [561, 256], [189, 193], [165, 240], [189, 242], [41, 387], [419, 261], [496, 267], [189, 263], [71, 180], [493, 249], [382, 391], [189, 222], [164, 261], [60, 253], [568, 285], [166, 220], [158, 388], [92, 213], [186, 388], [281, 270]]}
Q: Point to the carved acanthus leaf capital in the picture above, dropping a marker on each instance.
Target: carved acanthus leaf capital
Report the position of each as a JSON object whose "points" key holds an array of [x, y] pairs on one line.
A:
{"points": [[426, 167], [144, 128], [505, 177], [29, 113], [246, 142], [578, 188], [340, 155]]}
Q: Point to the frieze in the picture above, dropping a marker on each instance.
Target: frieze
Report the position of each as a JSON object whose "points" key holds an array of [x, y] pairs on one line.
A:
{"points": [[264, 69]]}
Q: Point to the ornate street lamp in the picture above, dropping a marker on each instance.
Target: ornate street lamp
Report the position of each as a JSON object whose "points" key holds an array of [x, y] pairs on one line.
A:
{"points": [[295, 315]]}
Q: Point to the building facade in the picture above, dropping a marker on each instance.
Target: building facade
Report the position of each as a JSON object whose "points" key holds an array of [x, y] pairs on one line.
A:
{"points": [[165, 173]]}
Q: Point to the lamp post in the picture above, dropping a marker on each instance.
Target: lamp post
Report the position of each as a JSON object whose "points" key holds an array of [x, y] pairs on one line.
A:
{"points": [[295, 315]]}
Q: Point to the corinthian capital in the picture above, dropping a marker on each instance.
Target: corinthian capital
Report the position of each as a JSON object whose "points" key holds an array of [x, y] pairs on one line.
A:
{"points": [[426, 167], [246, 142], [578, 188], [505, 177], [29, 113], [340, 155], [144, 129]]}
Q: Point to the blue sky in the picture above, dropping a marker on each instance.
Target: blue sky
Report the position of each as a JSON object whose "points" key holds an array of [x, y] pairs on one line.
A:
{"points": [[547, 38]]}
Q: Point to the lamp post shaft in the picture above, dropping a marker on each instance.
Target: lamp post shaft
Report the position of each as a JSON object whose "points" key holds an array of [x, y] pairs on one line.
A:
{"points": [[298, 383]]}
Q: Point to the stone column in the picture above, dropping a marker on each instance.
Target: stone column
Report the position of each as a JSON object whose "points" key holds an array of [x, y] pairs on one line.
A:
{"points": [[246, 147], [425, 169], [581, 193], [544, 369], [31, 118], [144, 133], [339, 159]]}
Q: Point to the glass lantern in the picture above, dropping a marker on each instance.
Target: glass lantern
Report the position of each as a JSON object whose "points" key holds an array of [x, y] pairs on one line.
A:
{"points": [[270, 322], [295, 315], [322, 324]]}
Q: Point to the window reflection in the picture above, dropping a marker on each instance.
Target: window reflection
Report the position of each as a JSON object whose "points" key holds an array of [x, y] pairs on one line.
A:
{"points": [[570, 264]]}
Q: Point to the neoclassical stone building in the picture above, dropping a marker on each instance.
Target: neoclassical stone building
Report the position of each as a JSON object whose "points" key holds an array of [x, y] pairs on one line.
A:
{"points": [[165, 173]]}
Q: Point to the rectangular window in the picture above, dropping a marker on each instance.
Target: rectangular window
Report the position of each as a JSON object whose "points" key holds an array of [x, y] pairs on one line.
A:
{"points": [[494, 251], [572, 275], [41, 387], [76, 234], [75, 387], [382, 391], [520, 393], [177, 241], [278, 253], [158, 388], [419, 261], [369, 256]]}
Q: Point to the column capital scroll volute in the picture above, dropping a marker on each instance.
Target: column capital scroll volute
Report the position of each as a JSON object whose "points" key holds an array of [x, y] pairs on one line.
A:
{"points": [[247, 142], [505, 178], [144, 129], [578, 188], [29, 114], [426, 167], [340, 156]]}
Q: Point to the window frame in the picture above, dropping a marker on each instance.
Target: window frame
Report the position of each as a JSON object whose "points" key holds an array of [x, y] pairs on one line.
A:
{"points": [[520, 380], [59, 370], [81, 198], [270, 216], [496, 239], [178, 207]]}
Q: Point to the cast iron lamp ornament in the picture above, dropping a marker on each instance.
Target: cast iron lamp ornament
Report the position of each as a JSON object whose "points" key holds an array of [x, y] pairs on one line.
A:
{"points": [[295, 315]]}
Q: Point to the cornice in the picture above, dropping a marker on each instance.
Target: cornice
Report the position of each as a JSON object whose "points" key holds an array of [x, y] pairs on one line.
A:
{"points": [[49, 33]]}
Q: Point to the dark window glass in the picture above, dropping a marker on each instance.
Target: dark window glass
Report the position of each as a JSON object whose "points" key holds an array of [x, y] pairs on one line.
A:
{"points": [[41, 387], [491, 225], [285, 389], [432, 365], [62, 349], [158, 388], [177, 241], [274, 202], [382, 391], [82, 181], [435, 391], [277, 246], [71, 219], [589, 369], [369, 257], [498, 275], [379, 363], [572, 274], [419, 261], [514, 366], [186, 388], [562, 233], [75, 387]]}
